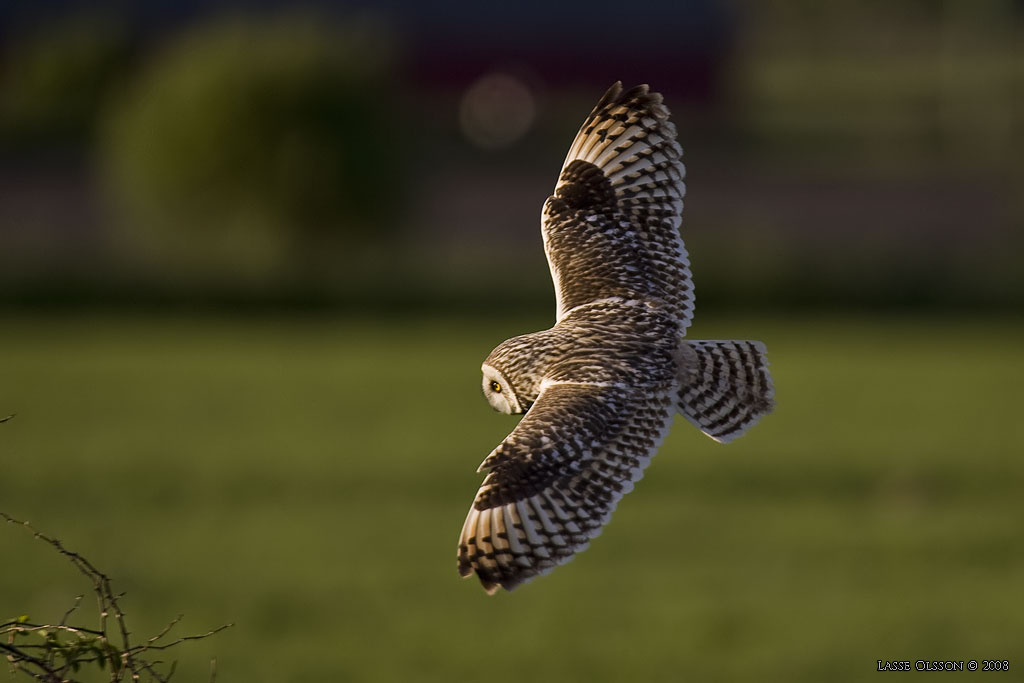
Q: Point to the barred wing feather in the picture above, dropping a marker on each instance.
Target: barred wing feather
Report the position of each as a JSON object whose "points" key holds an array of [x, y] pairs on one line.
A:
{"points": [[555, 480], [611, 229]]}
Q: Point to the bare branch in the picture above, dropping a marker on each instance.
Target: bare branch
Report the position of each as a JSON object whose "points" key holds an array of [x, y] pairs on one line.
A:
{"points": [[65, 647], [17, 657]]}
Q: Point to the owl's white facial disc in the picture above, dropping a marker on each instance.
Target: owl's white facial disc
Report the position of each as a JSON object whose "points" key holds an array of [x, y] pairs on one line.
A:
{"points": [[498, 391]]}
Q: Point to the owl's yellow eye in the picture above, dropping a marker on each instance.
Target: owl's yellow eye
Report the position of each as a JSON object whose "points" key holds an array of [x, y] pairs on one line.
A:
{"points": [[495, 387]]}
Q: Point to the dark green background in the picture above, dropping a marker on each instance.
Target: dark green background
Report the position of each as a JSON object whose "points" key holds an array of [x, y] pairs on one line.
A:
{"points": [[307, 480]]}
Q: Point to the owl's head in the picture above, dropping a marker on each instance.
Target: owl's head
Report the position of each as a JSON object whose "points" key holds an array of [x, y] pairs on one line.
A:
{"points": [[514, 370], [499, 391]]}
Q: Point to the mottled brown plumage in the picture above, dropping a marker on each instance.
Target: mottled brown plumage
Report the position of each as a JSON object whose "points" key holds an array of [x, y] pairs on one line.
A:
{"points": [[601, 387]]}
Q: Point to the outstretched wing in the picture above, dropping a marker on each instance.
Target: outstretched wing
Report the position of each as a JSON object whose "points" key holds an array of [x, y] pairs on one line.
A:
{"points": [[555, 480], [611, 229]]}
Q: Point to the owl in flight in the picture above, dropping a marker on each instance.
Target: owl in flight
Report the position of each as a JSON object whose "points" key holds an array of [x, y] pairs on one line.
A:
{"points": [[600, 389]]}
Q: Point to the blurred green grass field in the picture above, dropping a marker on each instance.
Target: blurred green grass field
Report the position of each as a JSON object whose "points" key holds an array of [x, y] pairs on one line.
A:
{"points": [[307, 479]]}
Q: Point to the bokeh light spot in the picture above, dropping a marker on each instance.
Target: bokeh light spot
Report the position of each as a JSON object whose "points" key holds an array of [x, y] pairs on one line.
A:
{"points": [[496, 111]]}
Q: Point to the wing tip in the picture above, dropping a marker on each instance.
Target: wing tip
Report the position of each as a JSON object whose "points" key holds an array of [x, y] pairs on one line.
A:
{"points": [[643, 95], [498, 568], [611, 95], [637, 97], [493, 579], [467, 570]]}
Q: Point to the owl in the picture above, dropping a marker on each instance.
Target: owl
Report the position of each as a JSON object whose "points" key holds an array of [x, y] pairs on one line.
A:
{"points": [[599, 390]]}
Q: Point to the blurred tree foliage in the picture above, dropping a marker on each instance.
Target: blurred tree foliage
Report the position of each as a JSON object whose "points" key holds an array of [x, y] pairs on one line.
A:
{"points": [[251, 146], [54, 81]]}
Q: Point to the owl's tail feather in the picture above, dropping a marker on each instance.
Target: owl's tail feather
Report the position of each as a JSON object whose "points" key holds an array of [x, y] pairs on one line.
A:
{"points": [[726, 387]]}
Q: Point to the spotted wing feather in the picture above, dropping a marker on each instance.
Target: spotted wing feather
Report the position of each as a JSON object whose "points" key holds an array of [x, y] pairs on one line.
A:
{"points": [[726, 387], [611, 229], [555, 480]]}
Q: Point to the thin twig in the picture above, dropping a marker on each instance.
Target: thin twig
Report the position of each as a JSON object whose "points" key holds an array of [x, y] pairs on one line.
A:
{"points": [[166, 630], [182, 639], [78, 602]]}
